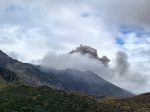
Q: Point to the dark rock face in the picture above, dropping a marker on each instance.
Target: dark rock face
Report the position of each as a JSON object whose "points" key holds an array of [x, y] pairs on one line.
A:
{"points": [[8, 75], [69, 79]]}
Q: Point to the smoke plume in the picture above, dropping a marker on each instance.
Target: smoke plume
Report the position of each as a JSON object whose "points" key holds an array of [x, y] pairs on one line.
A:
{"points": [[91, 52], [122, 64]]}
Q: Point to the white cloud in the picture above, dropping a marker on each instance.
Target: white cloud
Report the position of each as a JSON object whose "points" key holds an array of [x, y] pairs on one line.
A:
{"points": [[27, 45]]}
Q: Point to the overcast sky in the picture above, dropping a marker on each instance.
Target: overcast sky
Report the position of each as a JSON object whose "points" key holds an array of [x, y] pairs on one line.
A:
{"points": [[29, 29]]}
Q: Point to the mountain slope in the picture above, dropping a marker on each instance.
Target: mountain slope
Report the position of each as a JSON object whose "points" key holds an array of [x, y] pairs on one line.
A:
{"points": [[9, 78], [84, 82], [24, 71], [3, 83], [8, 75], [70, 79]]}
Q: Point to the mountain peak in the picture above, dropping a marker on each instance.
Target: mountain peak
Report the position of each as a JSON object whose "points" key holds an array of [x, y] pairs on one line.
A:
{"points": [[5, 59], [2, 54]]}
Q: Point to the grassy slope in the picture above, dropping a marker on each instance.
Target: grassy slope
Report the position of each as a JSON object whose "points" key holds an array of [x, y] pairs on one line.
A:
{"points": [[44, 99], [19, 96], [140, 103], [3, 83]]}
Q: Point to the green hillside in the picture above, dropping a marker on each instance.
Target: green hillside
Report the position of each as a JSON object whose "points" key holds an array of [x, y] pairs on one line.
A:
{"points": [[44, 99], [140, 103]]}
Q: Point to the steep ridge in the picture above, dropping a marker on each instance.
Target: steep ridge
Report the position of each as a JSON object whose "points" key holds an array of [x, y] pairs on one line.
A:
{"points": [[24, 71]]}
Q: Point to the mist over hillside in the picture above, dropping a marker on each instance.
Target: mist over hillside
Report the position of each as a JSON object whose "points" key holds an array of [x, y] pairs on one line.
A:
{"points": [[86, 58]]}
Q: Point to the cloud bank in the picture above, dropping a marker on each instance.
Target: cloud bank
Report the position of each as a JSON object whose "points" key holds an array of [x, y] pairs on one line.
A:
{"points": [[120, 73]]}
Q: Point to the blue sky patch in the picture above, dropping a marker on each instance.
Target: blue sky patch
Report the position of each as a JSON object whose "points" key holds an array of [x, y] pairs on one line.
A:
{"points": [[130, 29], [139, 31], [120, 41]]}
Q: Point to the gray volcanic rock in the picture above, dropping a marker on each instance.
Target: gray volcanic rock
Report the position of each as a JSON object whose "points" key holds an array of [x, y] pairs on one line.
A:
{"points": [[92, 53], [84, 82]]}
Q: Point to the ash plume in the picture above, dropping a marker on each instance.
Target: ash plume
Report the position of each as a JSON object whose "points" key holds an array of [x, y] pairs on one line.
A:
{"points": [[83, 49]]}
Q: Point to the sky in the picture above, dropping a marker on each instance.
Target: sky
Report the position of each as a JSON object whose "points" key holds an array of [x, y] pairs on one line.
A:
{"points": [[30, 29]]}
